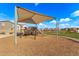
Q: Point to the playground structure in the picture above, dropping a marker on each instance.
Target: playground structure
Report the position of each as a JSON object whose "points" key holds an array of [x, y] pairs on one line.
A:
{"points": [[25, 31]]}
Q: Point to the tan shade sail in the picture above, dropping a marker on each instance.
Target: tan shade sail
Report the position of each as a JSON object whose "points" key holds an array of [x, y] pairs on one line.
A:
{"points": [[28, 16]]}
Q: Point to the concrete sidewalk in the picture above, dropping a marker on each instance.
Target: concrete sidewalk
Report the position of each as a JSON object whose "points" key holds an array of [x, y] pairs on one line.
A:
{"points": [[70, 38], [5, 35]]}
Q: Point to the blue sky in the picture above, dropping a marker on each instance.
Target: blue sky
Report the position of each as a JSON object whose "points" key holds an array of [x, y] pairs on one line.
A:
{"points": [[67, 14]]}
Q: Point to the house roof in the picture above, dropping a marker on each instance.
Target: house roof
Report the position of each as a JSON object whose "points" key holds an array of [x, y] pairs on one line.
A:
{"points": [[7, 21]]}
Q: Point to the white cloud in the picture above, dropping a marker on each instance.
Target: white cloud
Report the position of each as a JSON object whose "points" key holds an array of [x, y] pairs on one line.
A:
{"points": [[75, 13], [12, 21], [53, 22], [36, 4], [64, 25], [76, 21], [41, 24], [65, 20], [74, 26], [4, 17]]}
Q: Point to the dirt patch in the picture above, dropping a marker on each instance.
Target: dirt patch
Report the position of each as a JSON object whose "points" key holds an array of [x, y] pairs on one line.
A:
{"points": [[44, 45]]}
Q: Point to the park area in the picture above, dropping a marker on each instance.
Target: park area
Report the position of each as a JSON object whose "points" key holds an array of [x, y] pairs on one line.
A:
{"points": [[32, 33]]}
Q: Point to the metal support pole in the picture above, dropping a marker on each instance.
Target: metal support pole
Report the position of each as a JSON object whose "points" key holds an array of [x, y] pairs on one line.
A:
{"points": [[57, 28], [15, 26], [20, 31], [35, 32]]}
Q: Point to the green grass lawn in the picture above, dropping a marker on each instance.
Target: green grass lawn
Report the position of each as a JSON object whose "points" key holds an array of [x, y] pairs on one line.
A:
{"points": [[69, 34], [50, 32], [65, 33]]}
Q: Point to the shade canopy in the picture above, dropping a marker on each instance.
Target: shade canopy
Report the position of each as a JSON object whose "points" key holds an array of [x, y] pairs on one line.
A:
{"points": [[28, 16]]}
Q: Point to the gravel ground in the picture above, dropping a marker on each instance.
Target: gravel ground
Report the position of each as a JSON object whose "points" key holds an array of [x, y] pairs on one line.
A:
{"points": [[44, 45]]}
